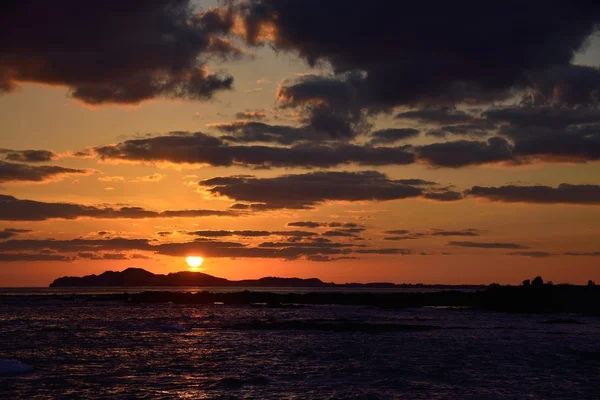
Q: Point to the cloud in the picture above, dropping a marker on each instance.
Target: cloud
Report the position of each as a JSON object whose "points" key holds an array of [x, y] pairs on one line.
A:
{"points": [[115, 256], [304, 191], [384, 251], [152, 178], [13, 209], [388, 136], [116, 54], [533, 254], [463, 153], [250, 233], [13, 172], [111, 179], [515, 145], [331, 105], [484, 245], [251, 131], [199, 148], [443, 195], [397, 232], [28, 155], [441, 116], [11, 232], [31, 257], [251, 115], [343, 232], [562, 194], [555, 133], [408, 54], [311, 224], [464, 232], [583, 254], [403, 234]]}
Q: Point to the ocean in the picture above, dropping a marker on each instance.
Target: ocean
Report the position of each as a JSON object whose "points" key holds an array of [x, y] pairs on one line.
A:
{"points": [[79, 347]]}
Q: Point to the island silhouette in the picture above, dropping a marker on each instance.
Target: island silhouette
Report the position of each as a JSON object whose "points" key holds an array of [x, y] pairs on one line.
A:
{"points": [[532, 296], [132, 277]]}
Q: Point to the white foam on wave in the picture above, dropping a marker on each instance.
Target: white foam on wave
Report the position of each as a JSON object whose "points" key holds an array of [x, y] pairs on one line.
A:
{"points": [[13, 367]]}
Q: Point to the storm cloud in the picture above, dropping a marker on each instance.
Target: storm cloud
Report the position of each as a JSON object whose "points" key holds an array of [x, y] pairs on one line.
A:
{"points": [[408, 54], [119, 53]]}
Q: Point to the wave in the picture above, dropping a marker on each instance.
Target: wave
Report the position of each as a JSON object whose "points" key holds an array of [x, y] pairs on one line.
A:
{"points": [[13, 367]]}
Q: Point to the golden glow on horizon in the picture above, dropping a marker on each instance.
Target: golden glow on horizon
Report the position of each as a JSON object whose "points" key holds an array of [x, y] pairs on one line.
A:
{"points": [[194, 262]]}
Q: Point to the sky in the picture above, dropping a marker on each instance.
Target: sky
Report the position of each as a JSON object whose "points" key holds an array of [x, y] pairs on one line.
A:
{"points": [[346, 140]]}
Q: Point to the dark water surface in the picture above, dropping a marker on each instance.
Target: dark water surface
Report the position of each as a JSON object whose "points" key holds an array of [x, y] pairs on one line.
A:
{"points": [[102, 350]]}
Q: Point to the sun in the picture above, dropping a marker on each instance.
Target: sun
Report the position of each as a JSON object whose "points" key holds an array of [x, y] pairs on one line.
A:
{"points": [[194, 262]]}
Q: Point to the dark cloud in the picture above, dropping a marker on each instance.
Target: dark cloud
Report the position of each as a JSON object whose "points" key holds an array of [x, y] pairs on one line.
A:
{"points": [[342, 233], [384, 251], [200, 148], [304, 191], [10, 232], [533, 254], [483, 245], [29, 257], [306, 224], [403, 234], [392, 135], [533, 118], [119, 53], [550, 133], [76, 245], [465, 232], [397, 232], [563, 194], [440, 116], [476, 129], [249, 233], [28, 155], [443, 195], [572, 85], [312, 243], [249, 114], [328, 104], [13, 209], [13, 172], [115, 256], [463, 153], [251, 131], [527, 144], [583, 254], [408, 54], [311, 224]]}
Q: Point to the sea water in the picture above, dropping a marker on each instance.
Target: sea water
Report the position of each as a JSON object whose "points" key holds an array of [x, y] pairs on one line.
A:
{"points": [[73, 347]]}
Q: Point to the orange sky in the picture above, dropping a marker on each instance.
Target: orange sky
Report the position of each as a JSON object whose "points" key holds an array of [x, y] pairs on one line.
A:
{"points": [[470, 240]]}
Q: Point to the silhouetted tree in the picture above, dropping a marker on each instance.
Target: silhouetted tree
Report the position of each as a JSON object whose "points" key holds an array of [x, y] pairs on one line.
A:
{"points": [[591, 283], [537, 282], [527, 283]]}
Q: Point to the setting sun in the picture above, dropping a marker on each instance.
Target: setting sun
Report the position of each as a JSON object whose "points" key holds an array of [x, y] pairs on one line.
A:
{"points": [[194, 262]]}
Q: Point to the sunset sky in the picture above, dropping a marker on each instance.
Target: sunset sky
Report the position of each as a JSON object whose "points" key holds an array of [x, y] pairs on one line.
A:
{"points": [[351, 141]]}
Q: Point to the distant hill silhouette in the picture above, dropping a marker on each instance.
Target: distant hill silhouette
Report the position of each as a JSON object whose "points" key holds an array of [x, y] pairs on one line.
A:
{"points": [[531, 297], [140, 277]]}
